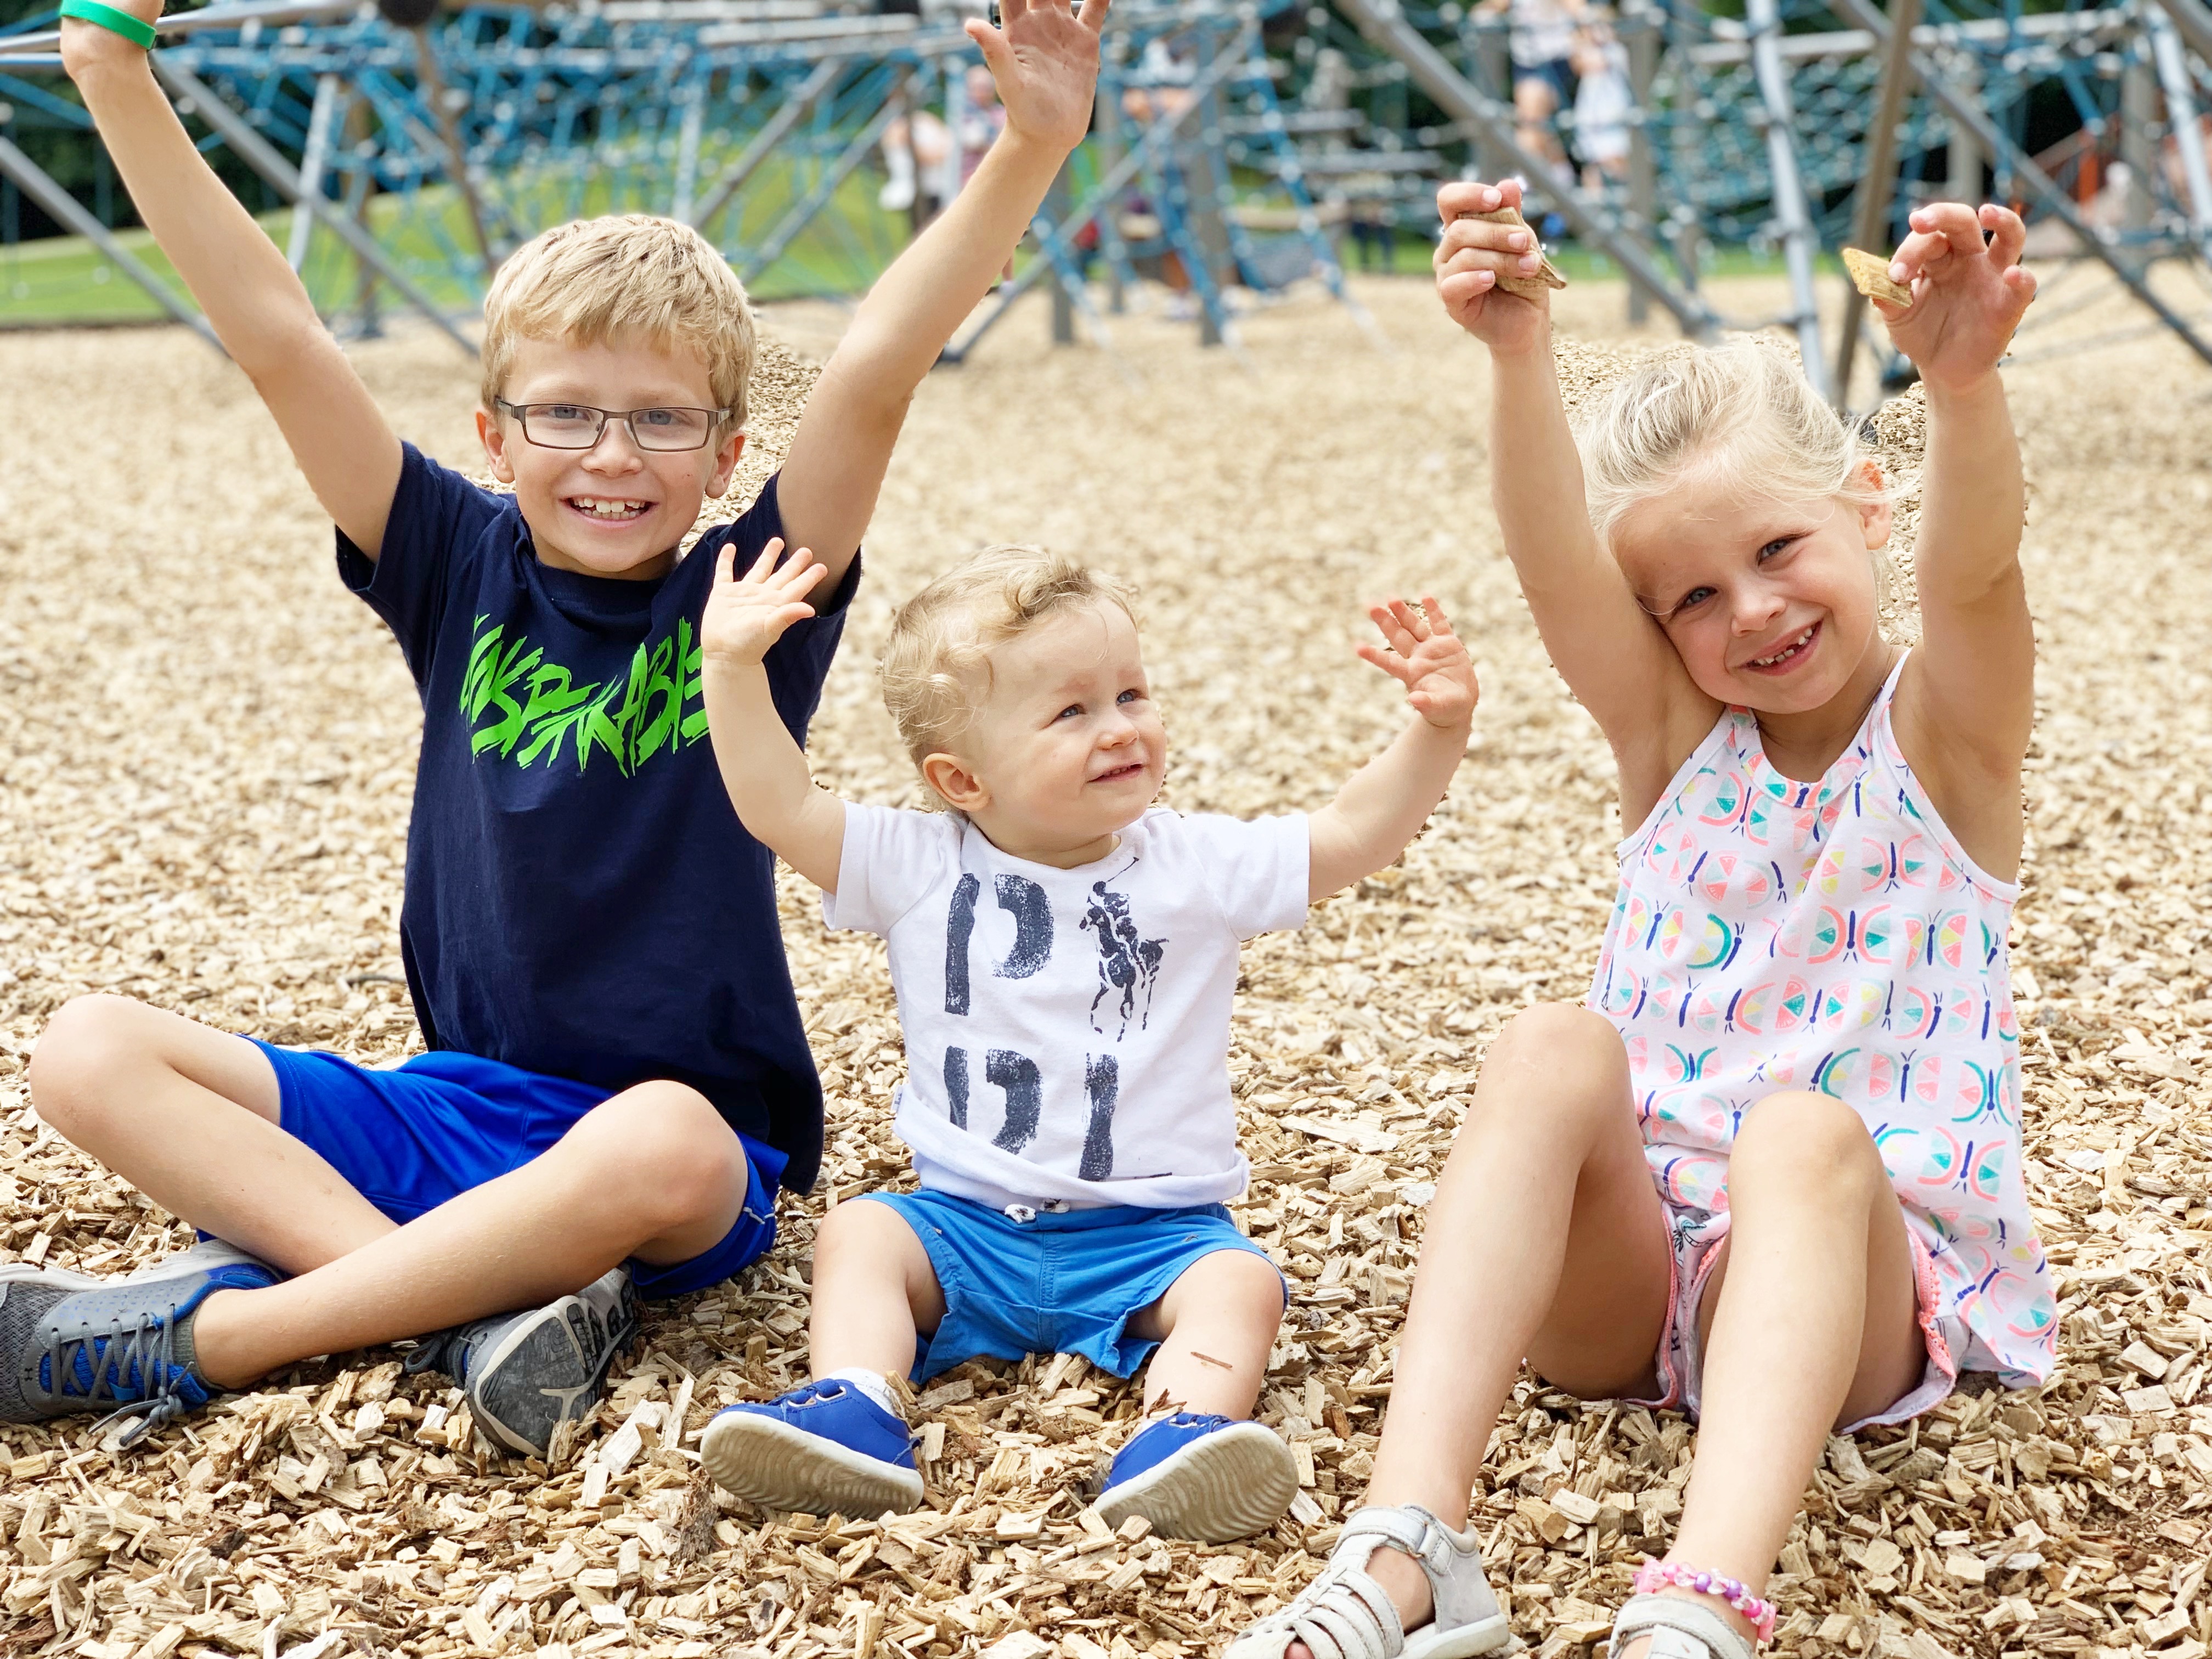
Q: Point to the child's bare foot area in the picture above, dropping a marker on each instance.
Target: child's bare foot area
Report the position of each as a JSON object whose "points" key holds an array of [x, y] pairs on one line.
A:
{"points": [[1403, 1581]]}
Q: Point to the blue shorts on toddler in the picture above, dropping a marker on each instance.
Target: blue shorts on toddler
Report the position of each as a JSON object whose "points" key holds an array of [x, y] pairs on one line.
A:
{"points": [[1052, 1281], [409, 1137], [1018, 1282]]}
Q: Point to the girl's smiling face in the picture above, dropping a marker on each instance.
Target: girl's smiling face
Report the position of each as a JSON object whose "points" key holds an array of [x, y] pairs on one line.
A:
{"points": [[1770, 604]]}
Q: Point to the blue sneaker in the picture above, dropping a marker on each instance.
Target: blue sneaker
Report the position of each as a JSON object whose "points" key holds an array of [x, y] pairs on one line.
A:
{"points": [[824, 1448], [1211, 1479], [69, 1343]]}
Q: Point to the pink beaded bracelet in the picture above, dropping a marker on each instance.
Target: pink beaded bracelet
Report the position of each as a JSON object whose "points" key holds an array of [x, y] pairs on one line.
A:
{"points": [[1657, 1575]]}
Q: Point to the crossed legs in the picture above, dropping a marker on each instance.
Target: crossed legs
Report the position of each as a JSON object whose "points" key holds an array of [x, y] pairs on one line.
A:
{"points": [[190, 1116], [1546, 1239]]}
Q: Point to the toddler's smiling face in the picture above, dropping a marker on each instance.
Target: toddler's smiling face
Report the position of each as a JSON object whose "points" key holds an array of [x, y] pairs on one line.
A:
{"points": [[1067, 747]]}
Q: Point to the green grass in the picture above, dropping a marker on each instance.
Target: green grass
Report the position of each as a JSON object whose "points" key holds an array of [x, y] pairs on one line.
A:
{"points": [[65, 280]]}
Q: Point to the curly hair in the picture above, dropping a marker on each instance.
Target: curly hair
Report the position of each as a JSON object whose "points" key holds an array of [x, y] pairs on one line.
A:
{"points": [[936, 666]]}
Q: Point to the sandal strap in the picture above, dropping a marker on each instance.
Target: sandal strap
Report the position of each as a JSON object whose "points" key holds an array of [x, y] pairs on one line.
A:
{"points": [[1679, 1629], [1450, 1561], [1405, 1526], [1342, 1614], [1346, 1614]]}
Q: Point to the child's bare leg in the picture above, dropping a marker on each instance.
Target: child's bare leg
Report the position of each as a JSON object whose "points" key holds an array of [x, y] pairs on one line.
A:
{"points": [[841, 1443], [1200, 1467], [1215, 1327], [188, 1115], [1533, 104], [652, 1173], [873, 1289], [1546, 1239], [1810, 1320]]}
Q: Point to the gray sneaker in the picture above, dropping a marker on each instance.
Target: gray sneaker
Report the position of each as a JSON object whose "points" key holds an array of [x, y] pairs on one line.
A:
{"points": [[71, 1344], [527, 1374], [206, 1253]]}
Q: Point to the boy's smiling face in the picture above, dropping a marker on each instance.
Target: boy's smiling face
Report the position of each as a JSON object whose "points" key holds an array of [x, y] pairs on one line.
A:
{"points": [[614, 509], [1067, 747]]}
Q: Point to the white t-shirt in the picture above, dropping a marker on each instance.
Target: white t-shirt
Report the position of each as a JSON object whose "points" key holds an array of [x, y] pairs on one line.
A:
{"points": [[1603, 103], [1543, 32], [1067, 1030]]}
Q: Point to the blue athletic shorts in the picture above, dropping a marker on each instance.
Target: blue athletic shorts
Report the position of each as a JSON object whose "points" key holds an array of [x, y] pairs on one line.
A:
{"points": [[1062, 1282], [409, 1138]]}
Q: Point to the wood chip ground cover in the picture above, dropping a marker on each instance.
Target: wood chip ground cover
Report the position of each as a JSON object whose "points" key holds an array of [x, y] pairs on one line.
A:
{"points": [[208, 758]]}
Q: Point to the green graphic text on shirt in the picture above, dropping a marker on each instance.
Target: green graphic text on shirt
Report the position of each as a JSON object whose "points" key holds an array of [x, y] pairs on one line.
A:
{"points": [[510, 696]]}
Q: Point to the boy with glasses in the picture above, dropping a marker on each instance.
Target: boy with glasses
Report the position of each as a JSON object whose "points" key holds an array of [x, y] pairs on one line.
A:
{"points": [[616, 1079]]}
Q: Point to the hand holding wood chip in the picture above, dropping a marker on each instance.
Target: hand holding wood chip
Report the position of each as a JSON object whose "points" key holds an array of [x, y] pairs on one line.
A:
{"points": [[1529, 288], [1869, 274]]}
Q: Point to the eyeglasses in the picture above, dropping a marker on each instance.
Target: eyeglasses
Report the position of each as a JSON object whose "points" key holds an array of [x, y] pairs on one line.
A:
{"points": [[579, 426]]}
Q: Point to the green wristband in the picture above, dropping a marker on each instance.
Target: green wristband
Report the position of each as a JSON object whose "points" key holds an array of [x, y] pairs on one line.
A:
{"points": [[137, 33]]}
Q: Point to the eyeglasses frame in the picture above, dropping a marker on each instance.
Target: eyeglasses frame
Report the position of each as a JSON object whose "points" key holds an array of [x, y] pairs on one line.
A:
{"points": [[717, 415]]}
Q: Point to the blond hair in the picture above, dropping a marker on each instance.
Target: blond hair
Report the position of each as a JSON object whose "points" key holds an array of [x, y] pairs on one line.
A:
{"points": [[945, 633], [587, 281], [1745, 406]]}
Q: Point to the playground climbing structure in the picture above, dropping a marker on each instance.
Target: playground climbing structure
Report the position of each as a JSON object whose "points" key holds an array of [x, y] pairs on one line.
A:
{"points": [[1240, 144]]}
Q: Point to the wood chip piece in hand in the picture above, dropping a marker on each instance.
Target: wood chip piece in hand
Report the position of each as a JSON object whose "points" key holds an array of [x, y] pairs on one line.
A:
{"points": [[1529, 288], [1870, 274]]}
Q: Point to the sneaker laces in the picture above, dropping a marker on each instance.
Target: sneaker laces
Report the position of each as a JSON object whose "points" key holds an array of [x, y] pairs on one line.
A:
{"points": [[832, 1388], [441, 1351], [149, 1352]]}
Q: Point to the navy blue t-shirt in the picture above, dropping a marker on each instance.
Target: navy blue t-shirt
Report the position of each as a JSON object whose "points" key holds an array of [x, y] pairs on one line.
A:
{"points": [[581, 900]]}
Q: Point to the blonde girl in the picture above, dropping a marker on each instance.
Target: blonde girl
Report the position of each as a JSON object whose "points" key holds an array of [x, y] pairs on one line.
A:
{"points": [[1770, 1173]]}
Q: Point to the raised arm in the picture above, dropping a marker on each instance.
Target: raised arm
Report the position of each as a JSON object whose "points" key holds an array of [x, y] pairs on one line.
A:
{"points": [[251, 297], [1045, 63], [1614, 656], [1967, 700], [1382, 805], [764, 770]]}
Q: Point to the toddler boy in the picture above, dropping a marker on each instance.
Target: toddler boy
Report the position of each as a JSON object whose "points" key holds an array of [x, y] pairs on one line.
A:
{"points": [[617, 1072], [1065, 954]]}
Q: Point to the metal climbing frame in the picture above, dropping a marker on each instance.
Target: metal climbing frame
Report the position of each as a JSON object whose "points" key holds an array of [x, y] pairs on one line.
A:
{"points": [[1236, 143], [1762, 132], [418, 157], [1207, 184]]}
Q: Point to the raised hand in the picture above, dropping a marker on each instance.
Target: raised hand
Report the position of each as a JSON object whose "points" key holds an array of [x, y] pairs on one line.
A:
{"points": [[1422, 653], [1473, 253], [1968, 296], [745, 615], [1044, 61]]}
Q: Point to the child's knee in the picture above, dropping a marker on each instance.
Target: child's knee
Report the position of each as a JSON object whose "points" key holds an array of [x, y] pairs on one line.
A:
{"points": [[1562, 1038], [669, 1150], [1574, 1057], [78, 1057], [861, 1233], [1811, 1146], [1240, 1280]]}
